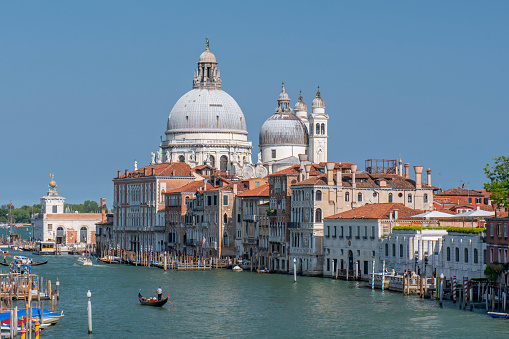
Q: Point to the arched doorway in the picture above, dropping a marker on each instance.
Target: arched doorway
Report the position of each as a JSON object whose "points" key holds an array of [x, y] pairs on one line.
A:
{"points": [[223, 163], [83, 235], [60, 235], [350, 260], [182, 158]]}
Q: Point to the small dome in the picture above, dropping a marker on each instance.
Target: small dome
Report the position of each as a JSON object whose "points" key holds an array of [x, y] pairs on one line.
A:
{"points": [[207, 56], [283, 97], [283, 129], [300, 105], [318, 101]]}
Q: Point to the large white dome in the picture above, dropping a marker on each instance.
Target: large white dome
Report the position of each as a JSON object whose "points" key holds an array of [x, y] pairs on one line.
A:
{"points": [[206, 110]]}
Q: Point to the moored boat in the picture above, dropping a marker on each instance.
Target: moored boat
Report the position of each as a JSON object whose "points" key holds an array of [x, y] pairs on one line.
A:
{"points": [[498, 315], [237, 268]]}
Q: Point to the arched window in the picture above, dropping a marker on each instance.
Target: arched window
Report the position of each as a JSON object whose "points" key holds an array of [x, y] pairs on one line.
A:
{"points": [[386, 249], [457, 254], [318, 195], [401, 250], [223, 163], [347, 196], [409, 198], [476, 256], [212, 160], [448, 254], [390, 197], [317, 128], [83, 234], [318, 215], [323, 129], [60, 235], [466, 254], [225, 218], [359, 197], [425, 198], [393, 250]]}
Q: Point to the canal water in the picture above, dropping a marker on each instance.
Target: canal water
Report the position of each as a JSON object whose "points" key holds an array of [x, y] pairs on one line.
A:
{"points": [[225, 304]]}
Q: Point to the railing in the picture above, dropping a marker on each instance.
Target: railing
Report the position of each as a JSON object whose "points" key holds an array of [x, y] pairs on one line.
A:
{"points": [[249, 217], [191, 242]]}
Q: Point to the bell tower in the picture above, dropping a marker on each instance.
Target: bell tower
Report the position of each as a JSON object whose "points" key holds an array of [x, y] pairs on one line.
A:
{"points": [[318, 130]]}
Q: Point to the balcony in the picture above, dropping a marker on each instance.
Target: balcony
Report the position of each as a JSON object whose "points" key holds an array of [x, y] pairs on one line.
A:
{"points": [[293, 224], [271, 213], [250, 217], [191, 242]]}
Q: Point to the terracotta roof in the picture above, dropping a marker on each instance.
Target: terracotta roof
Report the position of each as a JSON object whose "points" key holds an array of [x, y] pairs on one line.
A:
{"points": [[461, 192], [376, 211], [295, 170], [192, 187], [262, 191], [175, 169]]}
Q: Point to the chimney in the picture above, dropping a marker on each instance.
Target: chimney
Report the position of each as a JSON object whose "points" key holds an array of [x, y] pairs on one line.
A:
{"points": [[204, 184], [152, 171], [339, 178], [303, 158], [308, 169], [103, 215], [353, 168], [428, 180], [126, 173], [400, 167], [235, 189], [118, 174], [144, 171], [330, 173], [103, 201], [396, 214], [418, 172], [407, 174]]}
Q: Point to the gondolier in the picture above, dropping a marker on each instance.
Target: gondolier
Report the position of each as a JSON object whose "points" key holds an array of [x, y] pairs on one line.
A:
{"points": [[159, 292]]}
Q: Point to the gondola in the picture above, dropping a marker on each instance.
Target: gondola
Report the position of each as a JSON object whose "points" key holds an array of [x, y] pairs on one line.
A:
{"points": [[147, 302], [31, 264]]}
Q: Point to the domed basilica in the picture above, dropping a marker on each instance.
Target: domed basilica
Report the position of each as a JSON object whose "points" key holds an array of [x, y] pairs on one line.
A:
{"points": [[207, 126]]}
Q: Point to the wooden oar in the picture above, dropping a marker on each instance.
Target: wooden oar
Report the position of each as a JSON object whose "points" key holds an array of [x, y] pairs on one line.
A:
{"points": [[170, 301]]}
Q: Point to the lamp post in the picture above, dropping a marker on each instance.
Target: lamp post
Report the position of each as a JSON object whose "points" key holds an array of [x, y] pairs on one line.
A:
{"points": [[294, 270]]}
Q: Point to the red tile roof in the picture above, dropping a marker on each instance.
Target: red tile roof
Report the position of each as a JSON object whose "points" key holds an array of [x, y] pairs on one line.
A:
{"points": [[262, 191], [175, 169], [295, 170], [376, 211], [192, 187], [460, 192]]}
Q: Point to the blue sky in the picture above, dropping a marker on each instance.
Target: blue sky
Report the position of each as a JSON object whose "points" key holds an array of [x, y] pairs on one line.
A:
{"points": [[86, 87]]}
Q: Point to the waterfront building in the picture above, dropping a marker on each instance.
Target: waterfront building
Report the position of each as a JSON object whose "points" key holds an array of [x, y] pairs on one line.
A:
{"points": [[497, 243], [252, 236], [352, 238], [104, 240], [139, 205], [340, 187], [53, 224], [462, 255]]}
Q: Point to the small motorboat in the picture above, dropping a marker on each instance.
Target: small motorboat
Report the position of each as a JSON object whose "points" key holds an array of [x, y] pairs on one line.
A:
{"points": [[237, 268], [498, 315], [263, 270], [152, 301], [85, 261]]}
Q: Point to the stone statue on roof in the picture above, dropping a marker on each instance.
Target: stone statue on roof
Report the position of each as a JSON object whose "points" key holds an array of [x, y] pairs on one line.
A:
{"points": [[168, 158], [135, 165], [153, 158]]}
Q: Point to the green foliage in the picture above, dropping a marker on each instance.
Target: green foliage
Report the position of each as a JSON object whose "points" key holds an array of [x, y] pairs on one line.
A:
{"points": [[498, 175], [87, 207], [493, 271], [19, 215], [407, 228], [470, 230]]}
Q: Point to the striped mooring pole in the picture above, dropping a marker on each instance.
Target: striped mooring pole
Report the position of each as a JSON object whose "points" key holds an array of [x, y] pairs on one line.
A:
{"points": [[454, 288], [37, 329], [465, 289], [373, 276], [383, 275]]}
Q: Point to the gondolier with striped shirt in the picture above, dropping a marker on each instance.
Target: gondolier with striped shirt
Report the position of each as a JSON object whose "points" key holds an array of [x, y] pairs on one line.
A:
{"points": [[159, 292]]}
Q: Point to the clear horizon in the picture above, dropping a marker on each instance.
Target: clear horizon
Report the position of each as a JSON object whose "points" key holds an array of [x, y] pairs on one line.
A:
{"points": [[87, 87]]}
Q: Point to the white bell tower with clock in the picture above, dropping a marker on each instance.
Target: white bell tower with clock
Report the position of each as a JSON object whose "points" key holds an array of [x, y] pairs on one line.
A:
{"points": [[318, 130]]}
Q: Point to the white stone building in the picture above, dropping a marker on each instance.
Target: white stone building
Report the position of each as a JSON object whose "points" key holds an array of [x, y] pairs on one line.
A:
{"points": [[352, 238], [52, 224]]}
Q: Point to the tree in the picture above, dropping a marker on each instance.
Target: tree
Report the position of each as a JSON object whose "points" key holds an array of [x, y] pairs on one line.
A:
{"points": [[498, 175]]}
